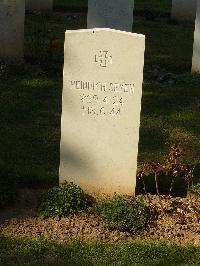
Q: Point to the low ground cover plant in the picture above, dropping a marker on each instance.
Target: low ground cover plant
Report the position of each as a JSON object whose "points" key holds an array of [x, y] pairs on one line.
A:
{"points": [[64, 200], [124, 213], [195, 189], [118, 213]]}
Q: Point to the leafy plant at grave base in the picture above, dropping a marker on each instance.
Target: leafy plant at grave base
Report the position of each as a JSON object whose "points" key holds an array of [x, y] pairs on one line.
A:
{"points": [[195, 189], [173, 177], [8, 186], [124, 213], [64, 200], [172, 169]]}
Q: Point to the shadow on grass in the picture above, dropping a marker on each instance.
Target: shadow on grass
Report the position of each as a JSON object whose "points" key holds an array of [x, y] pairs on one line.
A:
{"points": [[30, 126], [169, 99], [170, 115]]}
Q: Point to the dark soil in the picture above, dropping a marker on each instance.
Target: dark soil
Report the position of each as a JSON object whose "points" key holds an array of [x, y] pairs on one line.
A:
{"points": [[179, 222]]}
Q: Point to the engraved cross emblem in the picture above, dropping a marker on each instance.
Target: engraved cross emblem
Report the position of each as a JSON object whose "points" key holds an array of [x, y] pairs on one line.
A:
{"points": [[103, 58]]}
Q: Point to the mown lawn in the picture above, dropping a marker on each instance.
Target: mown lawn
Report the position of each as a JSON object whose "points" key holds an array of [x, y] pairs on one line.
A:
{"points": [[162, 7], [42, 252], [70, 4]]}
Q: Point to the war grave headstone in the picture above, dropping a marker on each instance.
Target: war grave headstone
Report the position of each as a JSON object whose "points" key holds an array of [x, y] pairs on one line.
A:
{"points": [[184, 10], [101, 109], [12, 13], [39, 5], [115, 14], [196, 47]]}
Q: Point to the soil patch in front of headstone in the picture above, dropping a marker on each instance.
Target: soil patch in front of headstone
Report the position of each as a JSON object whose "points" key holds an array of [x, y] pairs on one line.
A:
{"points": [[179, 223]]}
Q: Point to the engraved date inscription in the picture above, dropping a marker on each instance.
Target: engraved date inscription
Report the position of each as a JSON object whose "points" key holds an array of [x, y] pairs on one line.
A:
{"points": [[91, 110], [95, 99], [92, 104]]}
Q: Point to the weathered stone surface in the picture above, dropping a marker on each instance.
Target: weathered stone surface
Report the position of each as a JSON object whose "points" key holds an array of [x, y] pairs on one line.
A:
{"points": [[115, 14], [184, 10], [12, 29], [39, 5], [196, 49], [101, 109]]}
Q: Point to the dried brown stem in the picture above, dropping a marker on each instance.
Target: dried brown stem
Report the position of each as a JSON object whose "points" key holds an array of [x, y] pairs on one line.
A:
{"points": [[172, 185], [158, 193], [145, 191]]}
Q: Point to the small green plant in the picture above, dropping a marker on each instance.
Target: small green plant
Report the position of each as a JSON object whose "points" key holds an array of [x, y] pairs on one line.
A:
{"points": [[124, 213], [195, 189], [64, 200], [8, 186]]}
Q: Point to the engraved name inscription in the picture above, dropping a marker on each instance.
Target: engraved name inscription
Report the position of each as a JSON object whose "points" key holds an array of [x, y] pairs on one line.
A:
{"points": [[99, 99], [102, 86]]}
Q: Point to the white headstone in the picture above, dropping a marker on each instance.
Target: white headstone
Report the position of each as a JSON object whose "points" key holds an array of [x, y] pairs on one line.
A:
{"points": [[103, 74], [196, 49], [115, 14], [12, 14], [184, 10], [39, 5]]}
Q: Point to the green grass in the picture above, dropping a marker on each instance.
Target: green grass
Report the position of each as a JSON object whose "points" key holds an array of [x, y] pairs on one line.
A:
{"points": [[30, 126], [163, 6], [15, 251], [153, 8], [70, 4], [167, 45], [170, 114]]}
